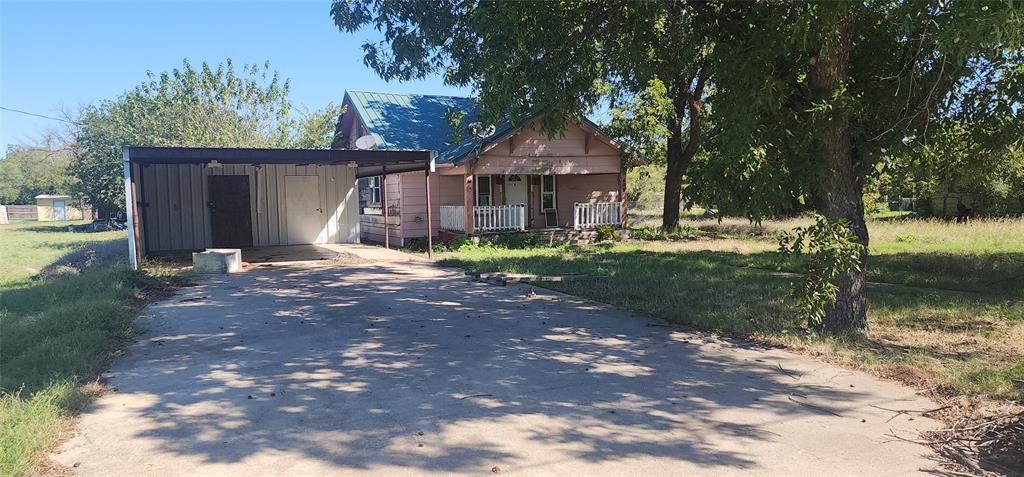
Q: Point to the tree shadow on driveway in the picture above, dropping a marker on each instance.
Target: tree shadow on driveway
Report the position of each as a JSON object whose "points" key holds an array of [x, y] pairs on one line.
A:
{"points": [[384, 367]]}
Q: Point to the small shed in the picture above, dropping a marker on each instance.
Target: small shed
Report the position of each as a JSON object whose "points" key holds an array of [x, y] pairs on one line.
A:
{"points": [[59, 208], [189, 199]]}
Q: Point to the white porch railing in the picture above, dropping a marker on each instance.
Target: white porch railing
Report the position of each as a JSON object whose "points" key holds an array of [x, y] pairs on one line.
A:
{"points": [[588, 215], [453, 217], [489, 218]]}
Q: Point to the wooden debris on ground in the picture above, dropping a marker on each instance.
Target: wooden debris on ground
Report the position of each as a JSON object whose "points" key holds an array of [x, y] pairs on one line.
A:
{"points": [[993, 446]]}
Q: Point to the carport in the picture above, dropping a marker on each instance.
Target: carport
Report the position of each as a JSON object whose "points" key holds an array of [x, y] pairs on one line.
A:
{"points": [[185, 199]]}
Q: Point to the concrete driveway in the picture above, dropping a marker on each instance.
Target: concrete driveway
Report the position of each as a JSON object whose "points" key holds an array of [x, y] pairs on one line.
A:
{"points": [[400, 368]]}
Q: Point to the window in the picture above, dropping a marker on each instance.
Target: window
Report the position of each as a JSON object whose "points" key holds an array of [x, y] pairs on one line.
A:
{"points": [[370, 195], [483, 190], [373, 188], [547, 192]]}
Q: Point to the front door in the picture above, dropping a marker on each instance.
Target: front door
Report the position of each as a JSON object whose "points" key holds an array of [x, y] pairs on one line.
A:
{"points": [[60, 211], [515, 190], [302, 203], [230, 222]]}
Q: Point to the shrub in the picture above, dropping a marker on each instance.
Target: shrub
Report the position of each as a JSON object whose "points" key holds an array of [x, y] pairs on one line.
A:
{"points": [[874, 205], [517, 241], [607, 233], [419, 244], [461, 242], [831, 249]]}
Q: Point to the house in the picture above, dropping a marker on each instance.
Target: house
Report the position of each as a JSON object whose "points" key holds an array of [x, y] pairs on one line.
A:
{"points": [[50, 207], [182, 199], [509, 178]]}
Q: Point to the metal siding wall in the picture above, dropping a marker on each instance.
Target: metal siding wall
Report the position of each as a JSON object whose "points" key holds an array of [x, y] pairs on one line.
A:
{"points": [[137, 172], [282, 217], [177, 217], [325, 212], [198, 210], [270, 185]]}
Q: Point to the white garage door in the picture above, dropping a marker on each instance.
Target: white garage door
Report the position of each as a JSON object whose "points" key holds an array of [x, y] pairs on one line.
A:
{"points": [[302, 203]]}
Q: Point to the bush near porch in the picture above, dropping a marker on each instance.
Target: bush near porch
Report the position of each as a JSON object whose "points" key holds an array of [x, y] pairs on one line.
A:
{"points": [[947, 305]]}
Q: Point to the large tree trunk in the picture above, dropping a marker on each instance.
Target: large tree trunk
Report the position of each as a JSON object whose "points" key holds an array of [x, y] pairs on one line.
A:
{"points": [[840, 188], [679, 156], [674, 171]]}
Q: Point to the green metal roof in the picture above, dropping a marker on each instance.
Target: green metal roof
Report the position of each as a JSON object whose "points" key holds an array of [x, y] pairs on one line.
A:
{"points": [[418, 121]]}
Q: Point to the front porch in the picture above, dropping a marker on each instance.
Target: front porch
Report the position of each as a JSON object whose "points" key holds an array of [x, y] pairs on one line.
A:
{"points": [[519, 201], [488, 219]]}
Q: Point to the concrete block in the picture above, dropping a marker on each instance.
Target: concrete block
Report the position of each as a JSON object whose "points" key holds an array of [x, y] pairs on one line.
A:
{"points": [[217, 260]]}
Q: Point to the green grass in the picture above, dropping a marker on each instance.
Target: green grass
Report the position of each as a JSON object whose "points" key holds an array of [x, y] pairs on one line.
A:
{"points": [[960, 322], [29, 246], [57, 332]]}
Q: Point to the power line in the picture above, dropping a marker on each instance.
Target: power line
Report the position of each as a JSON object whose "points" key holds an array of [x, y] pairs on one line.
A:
{"points": [[36, 115]]}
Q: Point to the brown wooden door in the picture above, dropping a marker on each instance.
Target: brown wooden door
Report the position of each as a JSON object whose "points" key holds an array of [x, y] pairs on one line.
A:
{"points": [[230, 222]]}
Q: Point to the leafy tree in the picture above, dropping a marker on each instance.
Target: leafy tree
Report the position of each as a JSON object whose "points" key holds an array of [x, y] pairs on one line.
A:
{"points": [[315, 129], [823, 92], [27, 171], [811, 96], [645, 186], [188, 106], [557, 58], [955, 160], [832, 250]]}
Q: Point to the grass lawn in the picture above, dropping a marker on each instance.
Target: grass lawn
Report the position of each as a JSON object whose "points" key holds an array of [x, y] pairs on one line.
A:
{"points": [[66, 303], [948, 309]]}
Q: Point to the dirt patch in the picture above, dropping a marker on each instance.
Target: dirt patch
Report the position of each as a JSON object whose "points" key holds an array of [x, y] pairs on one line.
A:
{"points": [[345, 258]]}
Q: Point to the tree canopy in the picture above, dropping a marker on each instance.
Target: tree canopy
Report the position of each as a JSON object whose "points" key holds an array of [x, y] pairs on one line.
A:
{"points": [[559, 59], [27, 171], [810, 100], [826, 94], [188, 106]]}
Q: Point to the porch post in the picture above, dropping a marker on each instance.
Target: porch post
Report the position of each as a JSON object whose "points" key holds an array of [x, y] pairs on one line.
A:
{"points": [[430, 219], [131, 208], [622, 199], [468, 201], [384, 204]]}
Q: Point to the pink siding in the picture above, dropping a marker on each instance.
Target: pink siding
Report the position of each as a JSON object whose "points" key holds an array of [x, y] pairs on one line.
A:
{"points": [[532, 152], [572, 189], [444, 190]]}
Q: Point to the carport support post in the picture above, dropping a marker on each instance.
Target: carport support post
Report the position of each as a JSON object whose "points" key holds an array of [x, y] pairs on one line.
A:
{"points": [[430, 220], [129, 209], [384, 204]]}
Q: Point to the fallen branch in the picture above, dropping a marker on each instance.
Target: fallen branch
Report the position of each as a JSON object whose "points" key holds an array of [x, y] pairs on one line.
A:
{"points": [[962, 459], [817, 408], [787, 373], [476, 395]]}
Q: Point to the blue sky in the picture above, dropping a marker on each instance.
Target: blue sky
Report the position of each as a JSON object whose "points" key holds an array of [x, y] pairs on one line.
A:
{"points": [[59, 54]]}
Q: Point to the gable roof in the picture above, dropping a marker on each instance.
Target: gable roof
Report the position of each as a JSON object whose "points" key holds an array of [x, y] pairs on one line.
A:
{"points": [[420, 121]]}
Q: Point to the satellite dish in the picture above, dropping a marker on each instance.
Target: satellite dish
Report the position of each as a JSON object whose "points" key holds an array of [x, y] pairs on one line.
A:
{"points": [[480, 131], [366, 142]]}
